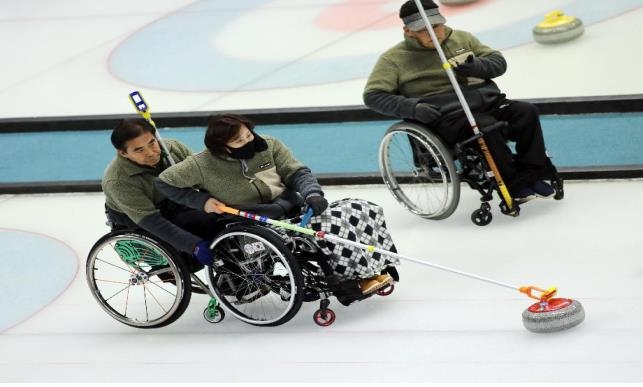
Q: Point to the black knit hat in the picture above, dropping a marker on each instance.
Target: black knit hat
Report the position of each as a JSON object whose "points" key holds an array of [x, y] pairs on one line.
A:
{"points": [[413, 20]]}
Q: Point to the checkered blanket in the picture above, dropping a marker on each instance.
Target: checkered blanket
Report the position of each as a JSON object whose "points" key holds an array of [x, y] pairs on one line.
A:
{"points": [[356, 220]]}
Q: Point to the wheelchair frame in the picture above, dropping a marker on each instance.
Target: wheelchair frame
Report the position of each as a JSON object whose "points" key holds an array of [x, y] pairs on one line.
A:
{"points": [[260, 276], [423, 176]]}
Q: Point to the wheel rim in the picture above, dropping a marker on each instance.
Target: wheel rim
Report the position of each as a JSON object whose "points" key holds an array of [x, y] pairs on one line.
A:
{"points": [[420, 182], [135, 281], [324, 318], [386, 291], [481, 217], [214, 315], [253, 279]]}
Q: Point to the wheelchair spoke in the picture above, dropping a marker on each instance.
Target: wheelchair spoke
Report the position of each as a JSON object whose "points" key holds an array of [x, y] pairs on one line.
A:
{"points": [[146, 290], [118, 292], [127, 269]]}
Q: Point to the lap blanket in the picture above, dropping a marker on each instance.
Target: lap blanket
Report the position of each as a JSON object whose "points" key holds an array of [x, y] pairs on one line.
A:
{"points": [[360, 221]]}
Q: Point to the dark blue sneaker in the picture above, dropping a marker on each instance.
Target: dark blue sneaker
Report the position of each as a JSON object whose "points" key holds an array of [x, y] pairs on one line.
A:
{"points": [[524, 195], [543, 189]]}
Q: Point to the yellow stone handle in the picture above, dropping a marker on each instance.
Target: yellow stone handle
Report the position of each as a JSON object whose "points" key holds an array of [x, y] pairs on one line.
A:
{"points": [[556, 18]]}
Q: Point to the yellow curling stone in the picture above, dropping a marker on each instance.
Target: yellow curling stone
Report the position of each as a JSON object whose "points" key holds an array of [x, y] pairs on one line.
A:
{"points": [[558, 28]]}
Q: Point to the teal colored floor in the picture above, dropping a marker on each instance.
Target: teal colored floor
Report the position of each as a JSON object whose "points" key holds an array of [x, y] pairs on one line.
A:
{"points": [[351, 147]]}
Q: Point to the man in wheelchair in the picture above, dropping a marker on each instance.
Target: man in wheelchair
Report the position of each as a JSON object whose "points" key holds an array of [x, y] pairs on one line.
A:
{"points": [[259, 174], [132, 201], [409, 82]]}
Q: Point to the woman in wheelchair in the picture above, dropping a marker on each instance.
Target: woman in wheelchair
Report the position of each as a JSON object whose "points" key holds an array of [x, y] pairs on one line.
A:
{"points": [[260, 175]]}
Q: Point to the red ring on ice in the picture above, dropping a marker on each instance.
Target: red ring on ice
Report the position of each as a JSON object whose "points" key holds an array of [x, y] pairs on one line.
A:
{"points": [[374, 15]]}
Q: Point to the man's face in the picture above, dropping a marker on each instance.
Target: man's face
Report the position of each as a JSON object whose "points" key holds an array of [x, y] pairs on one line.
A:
{"points": [[143, 150], [423, 36]]}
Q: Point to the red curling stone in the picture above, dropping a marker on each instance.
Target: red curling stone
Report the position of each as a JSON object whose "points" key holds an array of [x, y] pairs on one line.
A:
{"points": [[553, 315]]}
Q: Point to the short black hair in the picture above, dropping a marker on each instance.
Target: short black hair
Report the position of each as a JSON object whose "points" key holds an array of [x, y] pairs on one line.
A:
{"points": [[221, 129], [128, 129], [409, 8]]}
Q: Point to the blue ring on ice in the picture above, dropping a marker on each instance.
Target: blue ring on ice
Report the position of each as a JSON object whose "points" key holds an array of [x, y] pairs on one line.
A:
{"points": [[36, 269], [175, 52]]}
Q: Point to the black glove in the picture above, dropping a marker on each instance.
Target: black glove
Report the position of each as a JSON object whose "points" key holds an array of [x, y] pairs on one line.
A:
{"points": [[426, 113], [317, 203], [472, 67]]}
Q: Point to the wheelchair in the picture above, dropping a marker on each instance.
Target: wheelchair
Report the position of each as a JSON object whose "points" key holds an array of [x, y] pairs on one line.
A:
{"points": [[424, 175], [260, 275]]}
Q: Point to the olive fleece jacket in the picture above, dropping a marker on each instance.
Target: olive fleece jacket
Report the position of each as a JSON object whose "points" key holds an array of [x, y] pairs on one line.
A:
{"points": [[270, 176], [409, 73], [129, 189]]}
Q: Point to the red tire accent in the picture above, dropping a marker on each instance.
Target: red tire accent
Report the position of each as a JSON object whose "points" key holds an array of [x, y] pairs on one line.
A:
{"points": [[324, 318], [386, 290]]}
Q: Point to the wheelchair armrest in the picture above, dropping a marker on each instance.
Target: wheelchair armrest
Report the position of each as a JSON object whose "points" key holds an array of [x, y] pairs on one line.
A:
{"points": [[481, 133]]}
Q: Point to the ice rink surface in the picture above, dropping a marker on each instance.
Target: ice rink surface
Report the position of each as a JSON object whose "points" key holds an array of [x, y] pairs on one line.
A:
{"points": [[79, 58], [435, 327], [74, 57]]}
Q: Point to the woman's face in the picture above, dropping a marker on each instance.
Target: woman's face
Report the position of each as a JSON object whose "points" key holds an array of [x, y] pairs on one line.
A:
{"points": [[243, 136]]}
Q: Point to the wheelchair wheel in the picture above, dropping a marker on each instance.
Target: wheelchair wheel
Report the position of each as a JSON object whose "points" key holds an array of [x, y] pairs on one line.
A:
{"points": [[254, 276], [137, 280], [419, 171]]}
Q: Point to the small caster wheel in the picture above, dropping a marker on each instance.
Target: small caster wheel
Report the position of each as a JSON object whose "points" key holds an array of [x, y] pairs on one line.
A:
{"points": [[481, 217], [385, 291], [213, 315], [324, 318]]}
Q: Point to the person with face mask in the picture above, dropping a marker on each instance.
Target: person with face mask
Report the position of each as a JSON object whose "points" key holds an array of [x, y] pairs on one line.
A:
{"points": [[246, 171], [259, 174]]}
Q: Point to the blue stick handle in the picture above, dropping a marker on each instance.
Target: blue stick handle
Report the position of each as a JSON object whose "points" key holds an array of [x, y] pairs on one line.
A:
{"points": [[306, 218]]}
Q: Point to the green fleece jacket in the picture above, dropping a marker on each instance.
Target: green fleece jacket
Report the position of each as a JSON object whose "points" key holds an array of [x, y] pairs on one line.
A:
{"points": [[408, 72], [129, 187], [238, 182]]}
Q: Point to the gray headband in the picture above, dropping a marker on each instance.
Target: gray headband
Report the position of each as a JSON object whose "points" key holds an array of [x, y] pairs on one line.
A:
{"points": [[415, 22]]}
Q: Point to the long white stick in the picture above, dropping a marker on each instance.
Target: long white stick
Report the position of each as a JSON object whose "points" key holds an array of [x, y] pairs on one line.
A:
{"points": [[447, 67], [369, 248], [465, 106]]}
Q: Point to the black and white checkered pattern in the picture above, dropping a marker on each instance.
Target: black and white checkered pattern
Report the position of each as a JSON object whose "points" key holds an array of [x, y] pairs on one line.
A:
{"points": [[356, 220]]}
